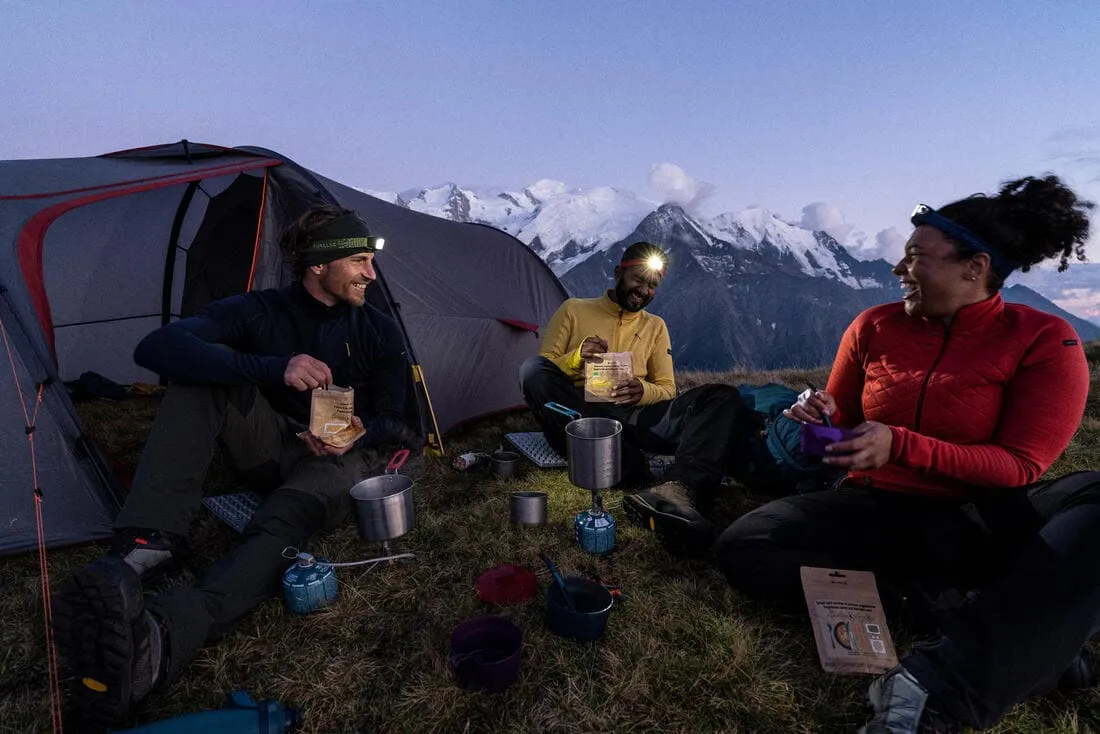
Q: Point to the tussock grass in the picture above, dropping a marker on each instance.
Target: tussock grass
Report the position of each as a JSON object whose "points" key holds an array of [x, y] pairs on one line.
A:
{"points": [[682, 652]]}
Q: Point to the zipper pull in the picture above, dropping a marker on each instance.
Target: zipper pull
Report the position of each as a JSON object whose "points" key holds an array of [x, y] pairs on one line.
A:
{"points": [[347, 347]]}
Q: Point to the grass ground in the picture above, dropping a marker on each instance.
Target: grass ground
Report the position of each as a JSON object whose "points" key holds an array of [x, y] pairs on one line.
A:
{"points": [[682, 651]]}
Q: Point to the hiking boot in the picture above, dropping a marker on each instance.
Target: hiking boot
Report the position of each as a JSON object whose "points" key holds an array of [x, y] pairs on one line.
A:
{"points": [[110, 649], [670, 510], [1081, 673], [151, 553], [902, 706]]}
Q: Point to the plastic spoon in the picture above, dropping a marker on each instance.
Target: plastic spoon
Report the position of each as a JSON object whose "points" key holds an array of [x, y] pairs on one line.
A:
{"points": [[561, 582], [824, 416]]}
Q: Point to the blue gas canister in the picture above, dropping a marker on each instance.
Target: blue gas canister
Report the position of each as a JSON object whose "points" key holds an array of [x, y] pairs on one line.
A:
{"points": [[309, 584], [594, 530]]}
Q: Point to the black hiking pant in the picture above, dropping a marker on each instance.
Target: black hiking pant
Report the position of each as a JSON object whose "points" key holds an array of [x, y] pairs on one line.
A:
{"points": [[700, 427], [1011, 580], [310, 495]]}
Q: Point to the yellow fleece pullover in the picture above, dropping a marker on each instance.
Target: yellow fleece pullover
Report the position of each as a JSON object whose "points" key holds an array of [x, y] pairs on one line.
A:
{"points": [[642, 334]]}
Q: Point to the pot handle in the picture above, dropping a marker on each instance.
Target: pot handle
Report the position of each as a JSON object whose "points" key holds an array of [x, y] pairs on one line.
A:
{"points": [[559, 408], [397, 461]]}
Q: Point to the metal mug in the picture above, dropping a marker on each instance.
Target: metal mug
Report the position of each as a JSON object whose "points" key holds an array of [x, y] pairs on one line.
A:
{"points": [[595, 449], [384, 504], [527, 508], [504, 463]]}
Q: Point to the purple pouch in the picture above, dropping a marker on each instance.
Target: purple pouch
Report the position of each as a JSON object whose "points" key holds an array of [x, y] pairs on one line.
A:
{"points": [[815, 438]]}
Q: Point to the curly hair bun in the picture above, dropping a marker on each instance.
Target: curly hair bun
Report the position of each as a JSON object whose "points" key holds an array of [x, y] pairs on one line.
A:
{"points": [[1048, 216]]}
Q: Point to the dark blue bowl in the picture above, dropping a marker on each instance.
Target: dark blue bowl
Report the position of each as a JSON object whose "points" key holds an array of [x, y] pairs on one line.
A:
{"points": [[589, 619]]}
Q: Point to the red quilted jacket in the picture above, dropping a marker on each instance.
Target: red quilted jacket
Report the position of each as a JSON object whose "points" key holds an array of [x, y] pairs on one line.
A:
{"points": [[990, 401]]}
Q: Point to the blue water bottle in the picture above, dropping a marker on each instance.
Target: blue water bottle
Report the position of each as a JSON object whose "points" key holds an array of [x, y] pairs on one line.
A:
{"points": [[309, 584], [594, 530]]}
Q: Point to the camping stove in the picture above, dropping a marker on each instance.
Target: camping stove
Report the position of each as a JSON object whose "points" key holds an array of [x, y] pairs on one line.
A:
{"points": [[594, 529], [594, 447]]}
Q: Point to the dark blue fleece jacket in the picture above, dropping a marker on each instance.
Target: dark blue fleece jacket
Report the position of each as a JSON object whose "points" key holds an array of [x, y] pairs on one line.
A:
{"points": [[362, 347]]}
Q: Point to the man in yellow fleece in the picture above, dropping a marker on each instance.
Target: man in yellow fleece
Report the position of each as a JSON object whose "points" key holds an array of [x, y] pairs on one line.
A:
{"points": [[698, 427]]}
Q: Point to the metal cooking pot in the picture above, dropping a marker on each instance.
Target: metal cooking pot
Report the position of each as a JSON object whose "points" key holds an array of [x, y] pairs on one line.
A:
{"points": [[595, 449], [527, 508], [384, 504]]}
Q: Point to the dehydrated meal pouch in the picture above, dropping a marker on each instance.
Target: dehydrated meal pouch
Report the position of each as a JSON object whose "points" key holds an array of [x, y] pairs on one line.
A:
{"points": [[849, 624]]}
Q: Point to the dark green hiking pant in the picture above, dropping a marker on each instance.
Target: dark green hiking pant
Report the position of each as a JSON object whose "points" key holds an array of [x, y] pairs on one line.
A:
{"points": [[310, 495]]}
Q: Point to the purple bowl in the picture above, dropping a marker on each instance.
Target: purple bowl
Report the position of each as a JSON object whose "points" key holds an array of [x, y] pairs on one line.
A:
{"points": [[486, 652], [815, 438]]}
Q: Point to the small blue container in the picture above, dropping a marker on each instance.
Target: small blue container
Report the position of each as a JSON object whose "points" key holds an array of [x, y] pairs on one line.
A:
{"points": [[592, 607], [309, 584], [594, 532]]}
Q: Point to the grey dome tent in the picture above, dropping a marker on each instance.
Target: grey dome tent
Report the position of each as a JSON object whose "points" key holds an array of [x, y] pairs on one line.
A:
{"points": [[96, 252]]}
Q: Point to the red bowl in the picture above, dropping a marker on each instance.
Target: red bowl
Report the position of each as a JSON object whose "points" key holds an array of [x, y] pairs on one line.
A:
{"points": [[507, 584]]}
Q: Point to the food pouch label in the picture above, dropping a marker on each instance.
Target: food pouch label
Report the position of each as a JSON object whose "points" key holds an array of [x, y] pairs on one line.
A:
{"points": [[330, 413], [849, 624], [603, 374]]}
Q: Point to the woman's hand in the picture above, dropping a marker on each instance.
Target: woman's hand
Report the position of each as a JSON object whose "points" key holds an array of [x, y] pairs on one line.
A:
{"points": [[812, 407], [868, 449]]}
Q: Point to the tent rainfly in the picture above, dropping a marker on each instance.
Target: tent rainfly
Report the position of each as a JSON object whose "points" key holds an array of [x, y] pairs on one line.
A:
{"points": [[97, 252]]}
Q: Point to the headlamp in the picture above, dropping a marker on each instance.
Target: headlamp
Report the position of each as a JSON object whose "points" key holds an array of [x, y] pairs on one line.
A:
{"points": [[655, 263], [342, 237], [924, 214]]}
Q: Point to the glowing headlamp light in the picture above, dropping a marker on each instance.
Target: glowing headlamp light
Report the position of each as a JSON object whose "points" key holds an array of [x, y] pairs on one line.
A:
{"points": [[656, 263]]}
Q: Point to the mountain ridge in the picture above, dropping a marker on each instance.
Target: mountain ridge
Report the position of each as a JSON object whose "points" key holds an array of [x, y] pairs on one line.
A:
{"points": [[790, 291]]}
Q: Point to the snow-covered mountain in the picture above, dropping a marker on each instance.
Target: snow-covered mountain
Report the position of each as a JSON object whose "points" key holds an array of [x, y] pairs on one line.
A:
{"points": [[563, 226], [566, 226], [789, 291]]}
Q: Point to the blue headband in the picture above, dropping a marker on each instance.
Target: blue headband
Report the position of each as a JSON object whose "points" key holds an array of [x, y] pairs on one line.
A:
{"points": [[924, 214]]}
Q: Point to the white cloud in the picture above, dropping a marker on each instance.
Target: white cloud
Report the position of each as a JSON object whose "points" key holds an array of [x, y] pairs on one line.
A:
{"points": [[823, 217], [672, 185], [1081, 301], [890, 244]]}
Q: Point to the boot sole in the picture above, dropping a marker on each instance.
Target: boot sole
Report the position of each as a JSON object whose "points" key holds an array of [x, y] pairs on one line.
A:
{"points": [[93, 615], [639, 512], [677, 534]]}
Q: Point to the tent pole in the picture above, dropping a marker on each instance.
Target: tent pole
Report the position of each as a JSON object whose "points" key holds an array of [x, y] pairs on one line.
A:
{"points": [[173, 246]]}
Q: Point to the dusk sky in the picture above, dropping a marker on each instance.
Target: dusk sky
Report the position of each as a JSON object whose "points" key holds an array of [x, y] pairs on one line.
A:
{"points": [[860, 108]]}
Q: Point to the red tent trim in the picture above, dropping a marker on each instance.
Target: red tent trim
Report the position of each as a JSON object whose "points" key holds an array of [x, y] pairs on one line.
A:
{"points": [[521, 325], [29, 247]]}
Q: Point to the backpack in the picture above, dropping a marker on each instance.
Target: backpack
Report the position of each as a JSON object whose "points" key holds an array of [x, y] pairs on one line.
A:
{"points": [[779, 450]]}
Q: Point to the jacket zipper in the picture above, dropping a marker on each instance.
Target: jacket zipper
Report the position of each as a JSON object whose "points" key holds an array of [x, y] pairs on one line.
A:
{"points": [[630, 347], [928, 376]]}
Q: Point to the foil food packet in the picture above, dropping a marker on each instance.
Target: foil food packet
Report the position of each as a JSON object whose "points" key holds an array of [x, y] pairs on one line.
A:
{"points": [[602, 376], [330, 413]]}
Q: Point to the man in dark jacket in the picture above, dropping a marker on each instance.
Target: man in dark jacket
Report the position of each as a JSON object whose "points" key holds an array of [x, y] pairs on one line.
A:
{"points": [[242, 372]]}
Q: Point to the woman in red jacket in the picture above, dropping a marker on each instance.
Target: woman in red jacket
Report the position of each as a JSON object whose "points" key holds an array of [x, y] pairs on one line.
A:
{"points": [[960, 403]]}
